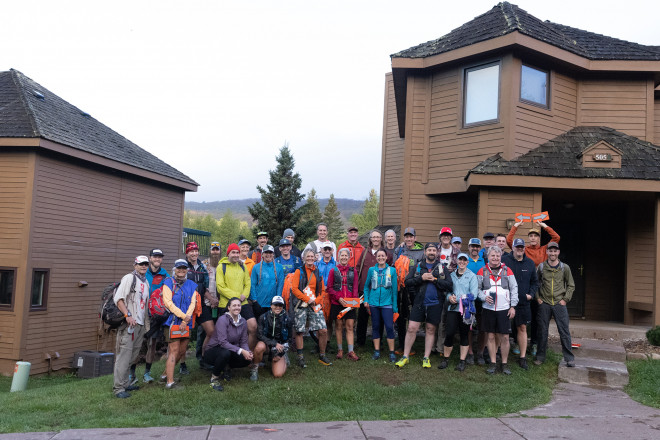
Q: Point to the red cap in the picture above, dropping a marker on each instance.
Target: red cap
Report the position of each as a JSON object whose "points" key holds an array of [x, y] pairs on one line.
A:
{"points": [[232, 247], [446, 230], [191, 247]]}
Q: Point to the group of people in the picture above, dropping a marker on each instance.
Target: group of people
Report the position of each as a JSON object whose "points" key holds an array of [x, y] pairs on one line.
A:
{"points": [[251, 306]]}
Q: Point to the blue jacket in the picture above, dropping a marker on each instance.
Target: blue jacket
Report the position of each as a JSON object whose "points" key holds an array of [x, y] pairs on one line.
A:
{"points": [[266, 281], [325, 268], [474, 266], [379, 291], [291, 264], [461, 287], [181, 298], [156, 281]]}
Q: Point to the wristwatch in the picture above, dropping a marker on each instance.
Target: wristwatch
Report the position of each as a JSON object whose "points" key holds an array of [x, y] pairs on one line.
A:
{"points": [[128, 315]]}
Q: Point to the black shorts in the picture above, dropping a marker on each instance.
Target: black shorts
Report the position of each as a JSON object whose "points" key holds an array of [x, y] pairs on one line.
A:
{"points": [[431, 314], [336, 308], [247, 312], [523, 315], [495, 322], [207, 314]]}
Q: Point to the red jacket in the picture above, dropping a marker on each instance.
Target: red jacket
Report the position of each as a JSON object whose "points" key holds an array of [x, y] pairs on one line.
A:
{"points": [[356, 252]]}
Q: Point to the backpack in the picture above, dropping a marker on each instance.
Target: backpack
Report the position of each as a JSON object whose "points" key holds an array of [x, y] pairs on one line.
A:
{"points": [[157, 309], [224, 267], [505, 278], [109, 312], [286, 289], [337, 282]]}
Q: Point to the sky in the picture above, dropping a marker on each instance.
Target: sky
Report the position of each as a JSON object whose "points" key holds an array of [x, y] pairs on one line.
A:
{"points": [[216, 88]]}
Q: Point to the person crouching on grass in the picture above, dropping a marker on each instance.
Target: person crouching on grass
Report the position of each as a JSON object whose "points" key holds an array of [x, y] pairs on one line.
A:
{"points": [[380, 299], [179, 294], [273, 335]]}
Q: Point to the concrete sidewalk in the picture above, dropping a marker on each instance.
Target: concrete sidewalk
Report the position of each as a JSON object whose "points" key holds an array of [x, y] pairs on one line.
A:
{"points": [[575, 412]]}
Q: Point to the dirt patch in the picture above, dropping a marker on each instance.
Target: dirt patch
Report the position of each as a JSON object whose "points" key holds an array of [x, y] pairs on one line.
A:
{"points": [[640, 346]]}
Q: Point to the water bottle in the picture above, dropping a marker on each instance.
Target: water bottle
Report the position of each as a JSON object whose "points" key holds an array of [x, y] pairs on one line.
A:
{"points": [[130, 329]]}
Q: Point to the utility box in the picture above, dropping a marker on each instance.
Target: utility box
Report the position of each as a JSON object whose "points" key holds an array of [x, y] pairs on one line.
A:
{"points": [[93, 363]]}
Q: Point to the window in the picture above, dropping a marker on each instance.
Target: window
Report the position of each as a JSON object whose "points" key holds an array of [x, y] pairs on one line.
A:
{"points": [[534, 86], [7, 286], [482, 94], [39, 289]]}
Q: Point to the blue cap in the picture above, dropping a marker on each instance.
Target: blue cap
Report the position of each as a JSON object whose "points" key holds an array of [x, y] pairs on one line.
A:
{"points": [[518, 242], [456, 240], [462, 255], [243, 241], [284, 242], [180, 263], [474, 242]]}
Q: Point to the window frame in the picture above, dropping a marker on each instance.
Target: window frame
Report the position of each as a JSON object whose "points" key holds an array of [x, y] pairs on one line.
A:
{"points": [[44, 295], [10, 307], [466, 71], [547, 87]]}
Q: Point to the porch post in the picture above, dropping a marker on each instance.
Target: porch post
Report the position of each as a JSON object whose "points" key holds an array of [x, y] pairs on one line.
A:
{"points": [[656, 287]]}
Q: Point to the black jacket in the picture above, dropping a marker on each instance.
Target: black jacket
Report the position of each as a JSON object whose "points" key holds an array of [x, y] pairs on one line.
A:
{"points": [[525, 273], [270, 328], [442, 281]]}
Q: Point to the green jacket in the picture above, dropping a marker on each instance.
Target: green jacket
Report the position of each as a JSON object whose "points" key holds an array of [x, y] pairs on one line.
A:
{"points": [[556, 283], [232, 282]]}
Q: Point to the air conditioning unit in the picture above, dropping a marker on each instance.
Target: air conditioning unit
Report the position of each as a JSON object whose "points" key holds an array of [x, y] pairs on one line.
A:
{"points": [[93, 363]]}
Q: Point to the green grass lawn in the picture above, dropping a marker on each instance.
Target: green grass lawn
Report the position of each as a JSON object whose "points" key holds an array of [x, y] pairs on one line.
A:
{"points": [[363, 390], [644, 386]]}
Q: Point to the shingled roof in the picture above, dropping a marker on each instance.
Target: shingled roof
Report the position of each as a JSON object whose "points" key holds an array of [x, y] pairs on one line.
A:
{"points": [[505, 18], [562, 157], [29, 110]]}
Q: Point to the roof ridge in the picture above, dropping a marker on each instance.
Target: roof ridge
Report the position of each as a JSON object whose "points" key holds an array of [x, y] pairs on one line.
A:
{"points": [[16, 77]]}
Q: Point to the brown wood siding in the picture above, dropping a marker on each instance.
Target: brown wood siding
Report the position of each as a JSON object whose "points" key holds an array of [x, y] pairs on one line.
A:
{"points": [[429, 214], [620, 104], [453, 151], [589, 161], [392, 173], [535, 125], [656, 120], [500, 205], [640, 259], [89, 225], [16, 175]]}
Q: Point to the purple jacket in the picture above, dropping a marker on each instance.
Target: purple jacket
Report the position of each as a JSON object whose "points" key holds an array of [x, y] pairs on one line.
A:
{"points": [[229, 335]]}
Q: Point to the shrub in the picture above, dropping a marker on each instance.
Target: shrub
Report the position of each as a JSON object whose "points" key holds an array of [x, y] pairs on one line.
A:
{"points": [[653, 335]]}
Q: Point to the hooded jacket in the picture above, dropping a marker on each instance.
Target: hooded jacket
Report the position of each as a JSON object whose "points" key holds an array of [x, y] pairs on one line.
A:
{"points": [[442, 281], [230, 335], [266, 281], [556, 283], [466, 283], [499, 284], [381, 287], [231, 282], [273, 329], [356, 252]]}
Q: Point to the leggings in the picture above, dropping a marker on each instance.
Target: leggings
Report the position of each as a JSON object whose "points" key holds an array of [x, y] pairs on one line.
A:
{"points": [[382, 315], [454, 322], [221, 357]]}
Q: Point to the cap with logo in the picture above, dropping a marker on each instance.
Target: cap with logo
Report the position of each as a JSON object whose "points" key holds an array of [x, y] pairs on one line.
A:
{"points": [[260, 233], [141, 259], [518, 242], [553, 244], [268, 248], [277, 300], [285, 242], [474, 242], [456, 240], [488, 235], [192, 246], [446, 230], [156, 253], [215, 244], [181, 263], [409, 231]]}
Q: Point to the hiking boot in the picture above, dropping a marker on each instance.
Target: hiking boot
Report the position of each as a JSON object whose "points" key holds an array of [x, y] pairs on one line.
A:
{"points": [[132, 380], [376, 355], [426, 363], [352, 356], [443, 364], [534, 348], [147, 377], [392, 357], [402, 362], [481, 360], [505, 369], [491, 369], [123, 395], [570, 364], [340, 354], [301, 362], [132, 388], [460, 366], [323, 360], [523, 363], [254, 374], [183, 369], [516, 349], [469, 359]]}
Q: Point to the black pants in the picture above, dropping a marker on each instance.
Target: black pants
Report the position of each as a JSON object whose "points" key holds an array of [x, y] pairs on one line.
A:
{"points": [[221, 357], [454, 322], [560, 313], [404, 313]]}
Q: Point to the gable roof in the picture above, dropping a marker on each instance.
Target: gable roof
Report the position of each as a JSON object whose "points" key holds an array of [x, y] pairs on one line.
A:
{"points": [[29, 110], [505, 18], [562, 157]]}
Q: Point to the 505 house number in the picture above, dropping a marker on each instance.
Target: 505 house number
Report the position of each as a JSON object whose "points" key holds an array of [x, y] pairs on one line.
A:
{"points": [[602, 157]]}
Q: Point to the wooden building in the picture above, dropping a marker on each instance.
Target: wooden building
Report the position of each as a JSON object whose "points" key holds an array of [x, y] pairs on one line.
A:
{"points": [[508, 113], [78, 202]]}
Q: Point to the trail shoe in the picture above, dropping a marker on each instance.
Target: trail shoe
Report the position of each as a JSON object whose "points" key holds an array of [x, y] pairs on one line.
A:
{"points": [[301, 362], [352, 356], [443, 364], [215, 384], [538, 362], [570, 364], [460, 366], [183, 369], [162, 379], [402, 362], [491, 369], [516, 349], [505, 369], [376, 355], [132, 380], [254, 374], [481, 360], [147, 377], [170, 386], [123, 395], [523, 363], [227, 375], [469, 359], [323, 360], [132, 388], [426, 363], [340, 354], [534, 348], [392, 357]]}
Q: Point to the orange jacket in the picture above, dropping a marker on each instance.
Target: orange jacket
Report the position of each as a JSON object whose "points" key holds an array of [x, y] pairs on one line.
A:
{"points": [[356, 252], [311, 282], [537, 253]]}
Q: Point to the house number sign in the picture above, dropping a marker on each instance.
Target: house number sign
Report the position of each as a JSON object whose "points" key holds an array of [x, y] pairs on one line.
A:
{"points": [[602, 157]]}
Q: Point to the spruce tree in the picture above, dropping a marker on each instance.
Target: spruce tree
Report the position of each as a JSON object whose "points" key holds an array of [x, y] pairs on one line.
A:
{"points": [[306, 231], [369, 217], [332, 218], [278, 209]]}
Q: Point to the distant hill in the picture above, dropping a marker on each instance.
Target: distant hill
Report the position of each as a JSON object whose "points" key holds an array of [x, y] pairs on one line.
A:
{"points": [[239, 208]]}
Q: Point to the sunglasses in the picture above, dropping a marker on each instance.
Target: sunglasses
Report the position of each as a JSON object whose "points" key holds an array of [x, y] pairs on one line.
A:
{"points": [[215, 244], [143, 264]]}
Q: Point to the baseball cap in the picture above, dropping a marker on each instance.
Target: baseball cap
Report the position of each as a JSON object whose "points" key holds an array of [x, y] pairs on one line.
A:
{"points": [[534, 231], [284, 242], [352, 228], [462, 255], [430, 244], [456, 240], [260, 233], [156, 253], [141, 259], [474, 242], [518, 242], [268, 248], [192, 246], [243, 241], [327, 246], [277, 300], [489, 235], [409, 231], [180, 263], [446, 230], [553, 244], [215, 244]]}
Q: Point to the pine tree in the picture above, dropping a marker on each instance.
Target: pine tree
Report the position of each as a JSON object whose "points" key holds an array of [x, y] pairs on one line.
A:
{"points": [[369, 217], [306, 231], [278, 209], [332, 218]]}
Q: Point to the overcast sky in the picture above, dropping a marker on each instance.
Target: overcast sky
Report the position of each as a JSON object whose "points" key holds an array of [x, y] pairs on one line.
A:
{"points": [[215, 88]]}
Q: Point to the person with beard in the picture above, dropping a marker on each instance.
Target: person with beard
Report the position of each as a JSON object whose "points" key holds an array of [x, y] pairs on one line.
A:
{"points": [[131, 299], [367, 261], [431, 281], [262, 240], [209, 304], [273, 335], [414, 251], [180, 298], [156, 276], [198, 274]]}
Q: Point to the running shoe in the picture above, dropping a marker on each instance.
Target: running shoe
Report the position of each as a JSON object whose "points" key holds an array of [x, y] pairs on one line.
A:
{"points": [[147, 377], [426, 363], [402, 362]]}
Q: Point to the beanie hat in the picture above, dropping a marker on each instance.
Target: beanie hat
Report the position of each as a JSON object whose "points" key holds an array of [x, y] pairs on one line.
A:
{"points": [[232, 247], [288, 232]]}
